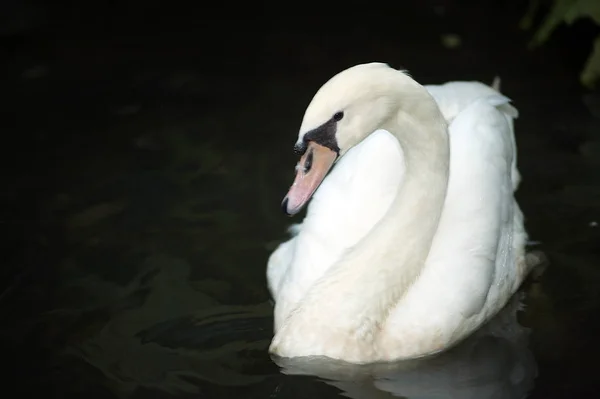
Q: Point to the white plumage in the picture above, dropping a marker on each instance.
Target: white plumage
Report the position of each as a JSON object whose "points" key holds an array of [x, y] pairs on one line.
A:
{"points": [[414, 239]]}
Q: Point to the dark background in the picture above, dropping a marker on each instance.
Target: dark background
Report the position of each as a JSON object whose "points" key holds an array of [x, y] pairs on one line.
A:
{"points": [[147, 145]]}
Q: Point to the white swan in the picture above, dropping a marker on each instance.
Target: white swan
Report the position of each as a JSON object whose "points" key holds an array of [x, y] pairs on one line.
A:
{"points": [[414, 239]]}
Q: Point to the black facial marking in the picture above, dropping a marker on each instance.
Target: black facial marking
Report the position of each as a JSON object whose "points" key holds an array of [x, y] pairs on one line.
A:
{"points": [[324, 135], [300, 148]]}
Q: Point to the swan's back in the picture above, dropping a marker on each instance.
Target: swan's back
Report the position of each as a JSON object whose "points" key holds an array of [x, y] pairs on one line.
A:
{"points": [[454, 97]]}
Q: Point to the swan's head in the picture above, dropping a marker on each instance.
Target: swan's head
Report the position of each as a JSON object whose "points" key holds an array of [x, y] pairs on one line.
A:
{"points": [[345, 110]]}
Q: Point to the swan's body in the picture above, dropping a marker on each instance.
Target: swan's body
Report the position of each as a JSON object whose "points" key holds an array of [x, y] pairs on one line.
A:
{"points": [[414, 239]]}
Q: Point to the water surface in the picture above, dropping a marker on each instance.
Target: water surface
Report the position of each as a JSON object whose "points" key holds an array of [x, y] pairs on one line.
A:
{"points": [[141, 200]]}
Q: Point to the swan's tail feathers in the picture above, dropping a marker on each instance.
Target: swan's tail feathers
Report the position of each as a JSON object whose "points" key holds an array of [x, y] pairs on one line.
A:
{"points": [[497, 100], [496, 83], [503, 104]]}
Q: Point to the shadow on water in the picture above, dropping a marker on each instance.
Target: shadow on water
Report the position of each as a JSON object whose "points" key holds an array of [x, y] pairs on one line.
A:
{"points": [[141, 195]]}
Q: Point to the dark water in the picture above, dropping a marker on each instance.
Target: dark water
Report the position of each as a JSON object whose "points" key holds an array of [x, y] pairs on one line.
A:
{"points": [[149, 150]]}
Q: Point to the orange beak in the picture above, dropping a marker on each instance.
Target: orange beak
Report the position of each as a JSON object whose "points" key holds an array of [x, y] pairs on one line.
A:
{"points": [[310, 172]]}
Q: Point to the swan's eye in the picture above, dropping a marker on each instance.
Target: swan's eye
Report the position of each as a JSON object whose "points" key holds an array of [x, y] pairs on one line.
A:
{"points": [[308, 163], [338, 116]]}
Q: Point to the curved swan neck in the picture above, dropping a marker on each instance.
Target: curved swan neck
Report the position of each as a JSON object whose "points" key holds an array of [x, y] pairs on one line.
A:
{"points": [[371, 278], [415, 212], [391, 257]]}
